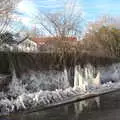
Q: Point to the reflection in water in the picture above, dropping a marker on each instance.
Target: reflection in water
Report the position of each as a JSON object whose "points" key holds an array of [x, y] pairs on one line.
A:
{"points": [[86, 105]]}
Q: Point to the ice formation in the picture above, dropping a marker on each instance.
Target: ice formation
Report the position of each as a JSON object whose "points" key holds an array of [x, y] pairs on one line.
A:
{"points": [[86, 77], [35, 90], [46, 80]]}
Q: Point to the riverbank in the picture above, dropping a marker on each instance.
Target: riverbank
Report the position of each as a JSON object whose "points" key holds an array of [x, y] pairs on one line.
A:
{"points": [[27, 103], [106, 107]]}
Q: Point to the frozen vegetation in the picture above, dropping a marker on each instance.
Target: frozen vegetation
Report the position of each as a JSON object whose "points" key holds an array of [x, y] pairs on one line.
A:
{"points": [[31, 92]]}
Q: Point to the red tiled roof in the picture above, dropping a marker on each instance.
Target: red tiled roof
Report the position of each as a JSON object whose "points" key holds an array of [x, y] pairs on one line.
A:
{"points": [[44, 40], [39, 41]]}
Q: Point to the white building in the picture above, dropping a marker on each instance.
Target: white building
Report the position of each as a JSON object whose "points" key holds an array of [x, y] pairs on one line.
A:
{"points": [[27, 46]]}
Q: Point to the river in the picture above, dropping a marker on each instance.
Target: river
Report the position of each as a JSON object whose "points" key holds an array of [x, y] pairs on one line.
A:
{"points": [[105, 107]]}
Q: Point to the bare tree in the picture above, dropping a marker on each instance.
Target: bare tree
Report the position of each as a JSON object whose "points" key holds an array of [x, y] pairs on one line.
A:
{"points": [[66, 22], [6, 8], [6, 15]]}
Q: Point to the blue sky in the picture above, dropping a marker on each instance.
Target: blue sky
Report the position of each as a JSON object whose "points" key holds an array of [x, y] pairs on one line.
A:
{"points": [[92, 9]]}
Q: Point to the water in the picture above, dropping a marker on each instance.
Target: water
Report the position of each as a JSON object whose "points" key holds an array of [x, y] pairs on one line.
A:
{"points": [[105, 107]]}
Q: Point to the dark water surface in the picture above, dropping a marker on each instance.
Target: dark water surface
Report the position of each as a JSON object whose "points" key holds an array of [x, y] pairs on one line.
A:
{"points": [[106, 107]]}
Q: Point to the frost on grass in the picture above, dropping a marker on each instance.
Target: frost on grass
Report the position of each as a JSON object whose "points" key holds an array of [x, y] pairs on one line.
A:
{"points": [[34, 90], [42, 98], [45, 80], [16, 88], [27, 101]]}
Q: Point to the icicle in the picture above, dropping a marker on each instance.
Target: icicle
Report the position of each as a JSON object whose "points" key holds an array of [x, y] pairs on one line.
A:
{"points": [[66, 76], [78, 79], [96, 81], [86, 80]]}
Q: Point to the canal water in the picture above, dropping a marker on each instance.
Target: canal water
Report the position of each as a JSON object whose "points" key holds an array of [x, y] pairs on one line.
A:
{"points": [[105, 107]]}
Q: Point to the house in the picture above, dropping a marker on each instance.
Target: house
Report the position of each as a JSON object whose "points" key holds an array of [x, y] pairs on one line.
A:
{"points": [[27, 45], [44, 43]]}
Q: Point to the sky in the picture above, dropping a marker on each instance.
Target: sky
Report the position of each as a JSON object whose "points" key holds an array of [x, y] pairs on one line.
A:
{"points": [[91, 9]]}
